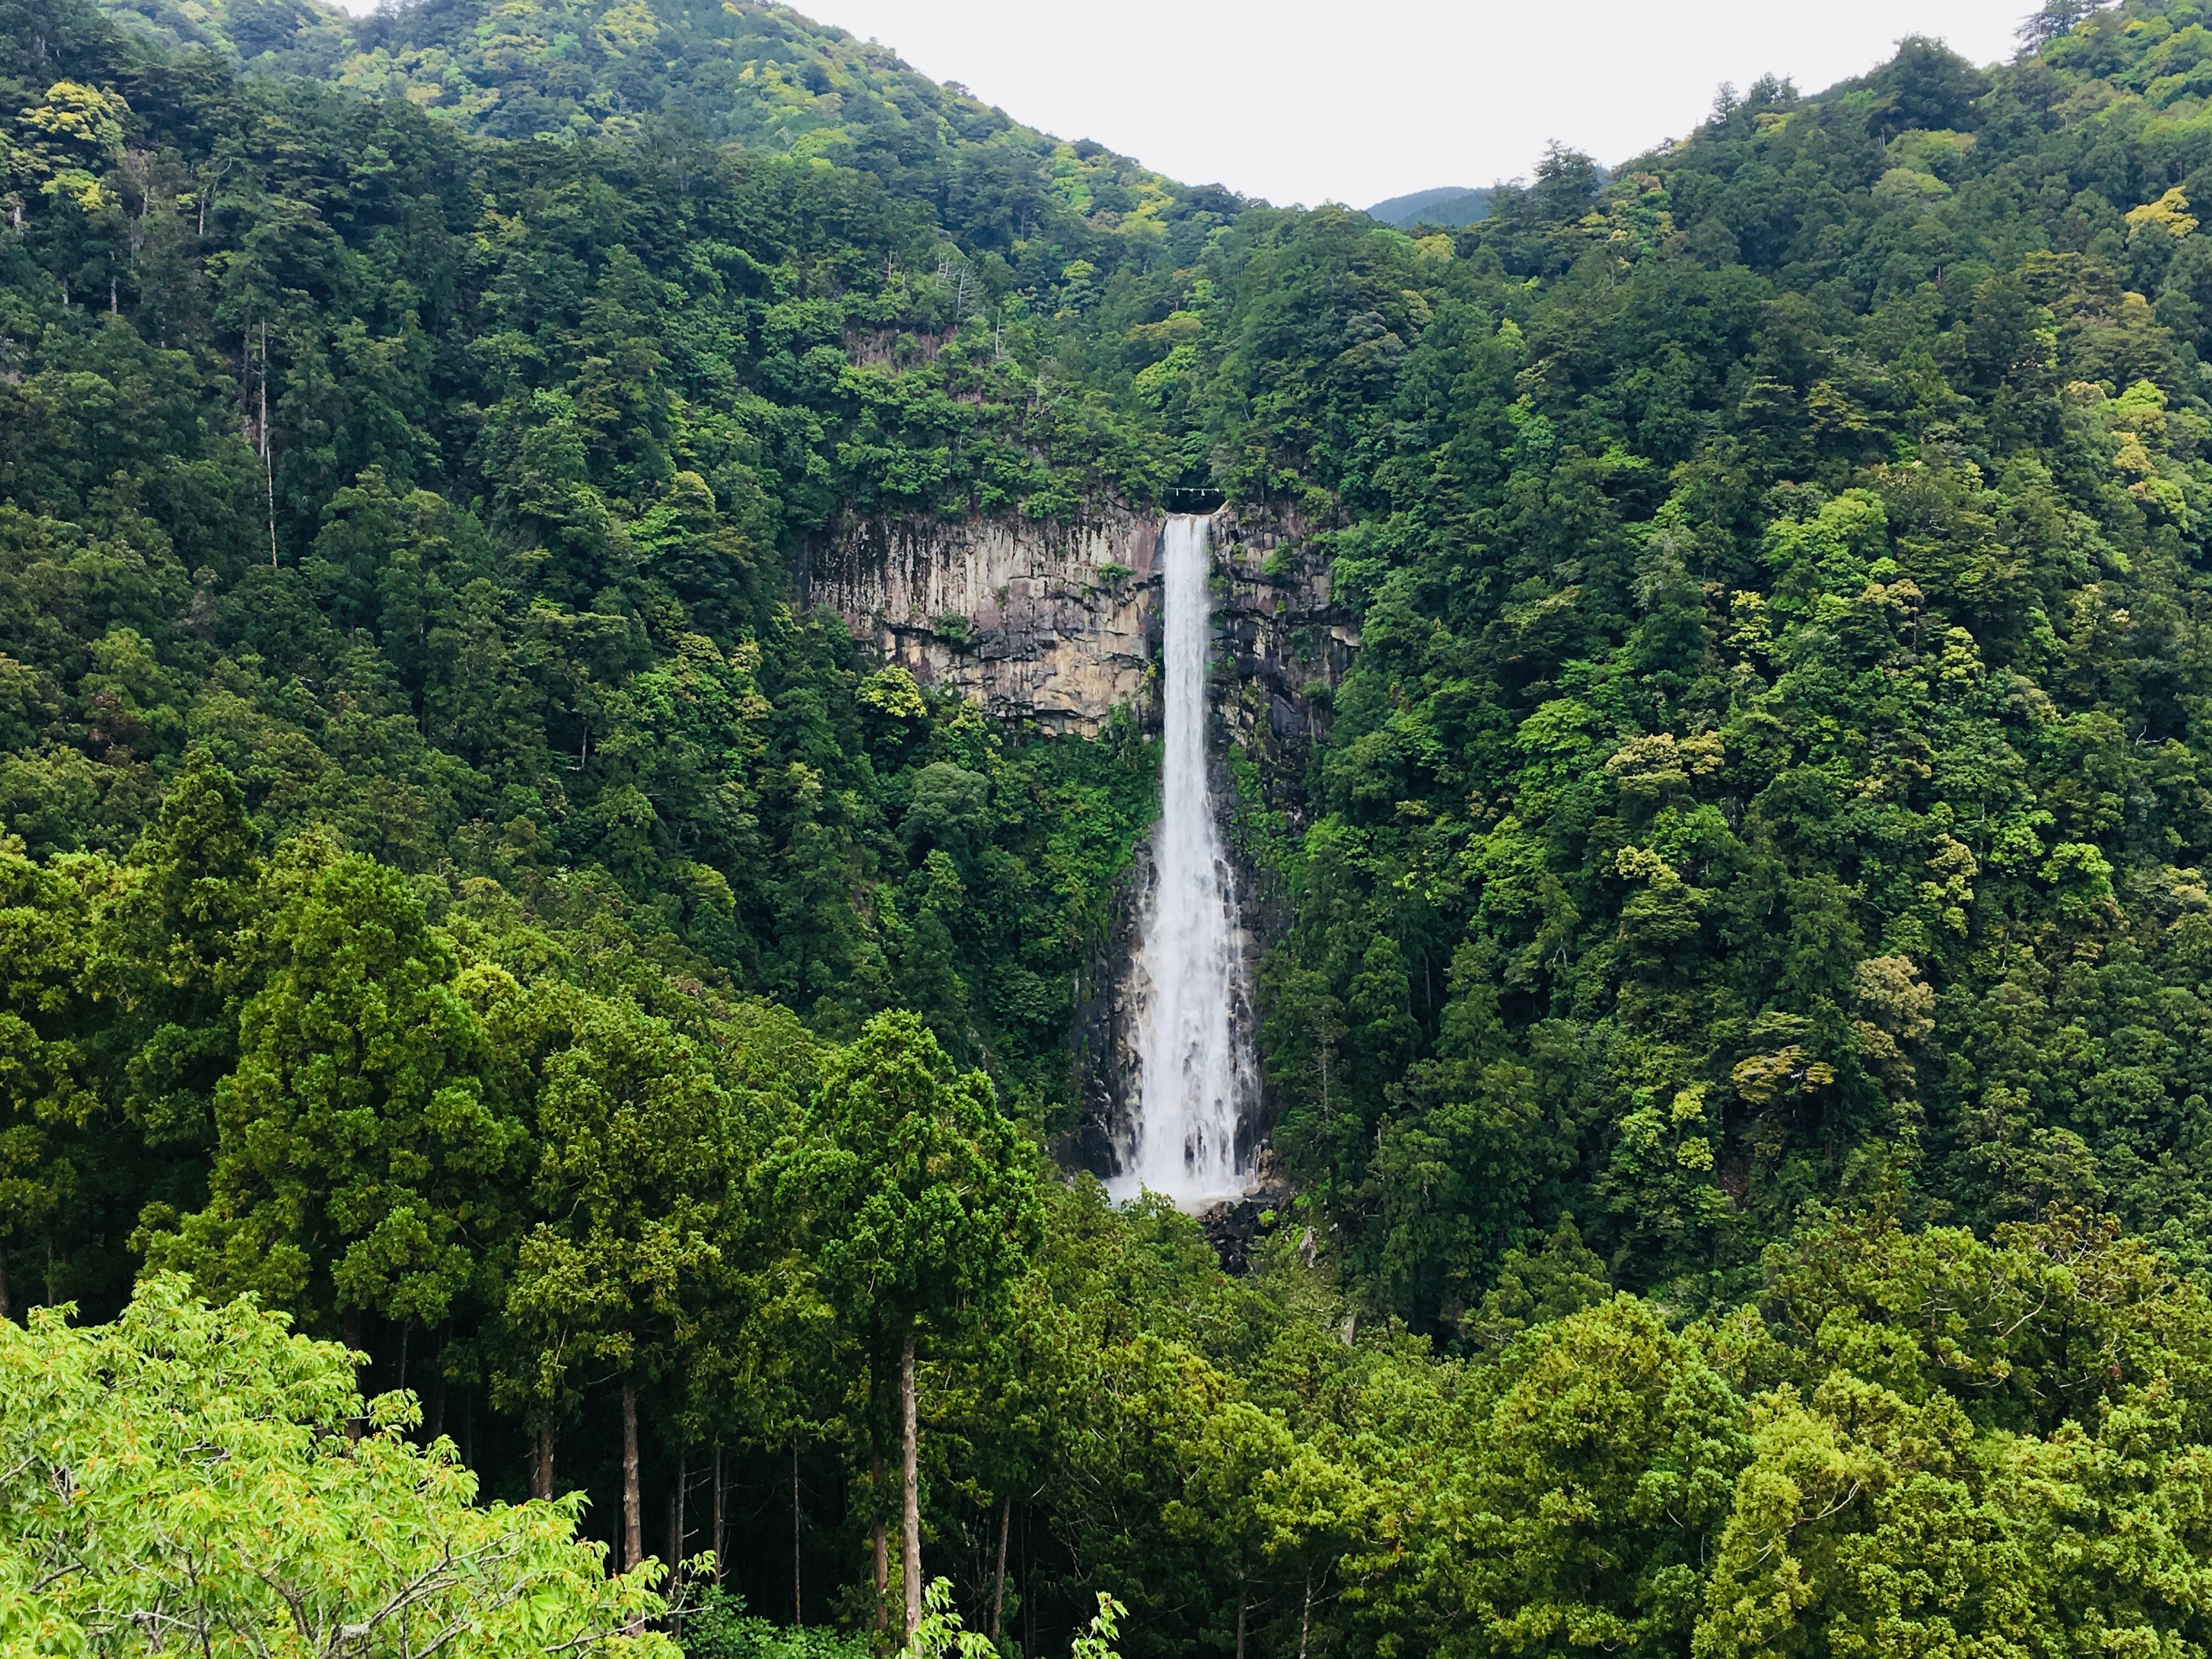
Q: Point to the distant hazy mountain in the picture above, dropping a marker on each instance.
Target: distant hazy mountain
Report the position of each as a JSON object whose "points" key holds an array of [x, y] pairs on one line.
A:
{"points": [[1451, 205]]}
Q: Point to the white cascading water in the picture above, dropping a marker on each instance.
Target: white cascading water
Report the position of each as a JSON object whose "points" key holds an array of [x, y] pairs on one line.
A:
{"points": [[1193, 1077]]}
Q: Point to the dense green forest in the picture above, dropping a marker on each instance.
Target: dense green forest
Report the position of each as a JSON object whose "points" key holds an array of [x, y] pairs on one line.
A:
{"points": [[1738, 1032]]}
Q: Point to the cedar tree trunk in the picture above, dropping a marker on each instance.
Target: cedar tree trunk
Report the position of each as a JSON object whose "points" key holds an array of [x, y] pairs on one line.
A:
{"points": [[633, 1516], [999, 1584], [718, 1514], [909, 1492], [883, 1555]]}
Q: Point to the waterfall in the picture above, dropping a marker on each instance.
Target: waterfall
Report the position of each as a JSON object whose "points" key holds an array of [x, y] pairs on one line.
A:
{"points": [[1194, 1075]]}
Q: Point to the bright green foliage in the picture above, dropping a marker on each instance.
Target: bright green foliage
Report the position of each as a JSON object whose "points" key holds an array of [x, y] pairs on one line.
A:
{"points": [[720, 1628], [1190, 1428], [1840, 1468], [1605, 1469], [1888, 1495], [939, 1635], [184, 1476], [41, 1080], [925, 1190], [1911, 1440], [634, 1179], [1776, 725], [356, 1151]]}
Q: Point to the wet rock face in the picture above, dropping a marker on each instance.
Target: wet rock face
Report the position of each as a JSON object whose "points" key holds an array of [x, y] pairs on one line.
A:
{"points": [[1102, 1040], [1282, 646], [1236, 1228]]}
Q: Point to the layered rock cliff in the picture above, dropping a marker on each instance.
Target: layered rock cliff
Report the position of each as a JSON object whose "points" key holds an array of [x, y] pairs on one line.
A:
{"points": [[1059, 621], [1050, 622]]}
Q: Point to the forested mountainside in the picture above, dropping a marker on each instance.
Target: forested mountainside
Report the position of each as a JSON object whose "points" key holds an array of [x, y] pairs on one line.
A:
{"points": [[1450, 207], [1736, 1034]]}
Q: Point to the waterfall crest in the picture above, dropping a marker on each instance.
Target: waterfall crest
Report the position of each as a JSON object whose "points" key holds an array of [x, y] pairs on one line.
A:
{"points": [[1195, 1074]]}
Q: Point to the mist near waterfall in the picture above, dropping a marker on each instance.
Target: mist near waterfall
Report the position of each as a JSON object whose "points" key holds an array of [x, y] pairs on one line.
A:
{"points": [[1194, 1075]]}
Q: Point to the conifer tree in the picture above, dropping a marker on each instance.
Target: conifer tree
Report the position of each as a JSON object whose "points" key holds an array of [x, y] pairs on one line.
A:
{"points": [[175, 949], [636, 1138], [357, 1154], [928, 1210]]}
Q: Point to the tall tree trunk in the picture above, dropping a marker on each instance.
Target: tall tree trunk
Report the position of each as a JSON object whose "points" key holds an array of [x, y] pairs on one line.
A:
{"points": [[433, 1417], [999, 1584], [669, 1525], [1305, 1616], [675, 1521], [798, 1601], [268, 458], [909, 1491], [7, 1306], [718, 1514], [883, 1553], [541, 1466], [633, 1513], [1240, 1616], [357, 1345]]}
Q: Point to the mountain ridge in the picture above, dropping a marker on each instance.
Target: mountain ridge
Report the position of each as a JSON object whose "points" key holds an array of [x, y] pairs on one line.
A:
{"points": [[1452, 207], [749, 70]]}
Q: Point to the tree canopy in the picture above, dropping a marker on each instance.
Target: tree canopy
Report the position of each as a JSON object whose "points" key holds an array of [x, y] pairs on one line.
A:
{"points": [[185, 1475]]}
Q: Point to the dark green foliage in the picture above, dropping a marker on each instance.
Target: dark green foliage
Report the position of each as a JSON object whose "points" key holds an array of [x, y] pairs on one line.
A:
{"points": [[494, 587], [722, 1629], [355, 1148], [927, 1209]]}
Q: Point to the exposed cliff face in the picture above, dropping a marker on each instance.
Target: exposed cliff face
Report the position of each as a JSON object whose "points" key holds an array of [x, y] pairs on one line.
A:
{"points": [[1060, 624], [1282, 646], [1054, 622]]}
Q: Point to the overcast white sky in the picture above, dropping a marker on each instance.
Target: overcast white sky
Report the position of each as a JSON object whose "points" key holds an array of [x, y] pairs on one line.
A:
{"points": [[1304, 100], [1354, 101]]}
